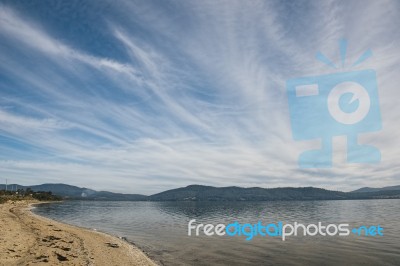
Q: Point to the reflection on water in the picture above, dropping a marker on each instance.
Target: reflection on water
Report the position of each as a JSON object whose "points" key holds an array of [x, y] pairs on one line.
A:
{"points": [[160, 228]]}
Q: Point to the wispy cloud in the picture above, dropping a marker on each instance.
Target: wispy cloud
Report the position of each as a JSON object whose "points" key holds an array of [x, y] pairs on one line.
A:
{"points": [[196, 94]]}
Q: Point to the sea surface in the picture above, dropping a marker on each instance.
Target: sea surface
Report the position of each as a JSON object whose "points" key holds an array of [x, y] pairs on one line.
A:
{"points": [[161, 230]]}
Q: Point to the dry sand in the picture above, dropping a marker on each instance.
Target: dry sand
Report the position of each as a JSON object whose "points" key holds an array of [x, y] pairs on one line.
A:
{"points": [[29, 239]]}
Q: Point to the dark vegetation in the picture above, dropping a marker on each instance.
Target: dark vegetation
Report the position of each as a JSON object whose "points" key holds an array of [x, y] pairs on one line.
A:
{"points": [[207, 193], [370, 189], [26, 194], [202, 193]]}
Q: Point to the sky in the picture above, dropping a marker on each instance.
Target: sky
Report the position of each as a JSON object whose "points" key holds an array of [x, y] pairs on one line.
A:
{"points": [[145, 96]]}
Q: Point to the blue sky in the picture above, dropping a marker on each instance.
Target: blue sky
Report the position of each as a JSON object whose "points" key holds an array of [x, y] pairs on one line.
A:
{"points": [[143, 96]]}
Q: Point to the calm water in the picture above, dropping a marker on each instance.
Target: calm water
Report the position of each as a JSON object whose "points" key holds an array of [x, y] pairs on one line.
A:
{"points": [[160, 228]]}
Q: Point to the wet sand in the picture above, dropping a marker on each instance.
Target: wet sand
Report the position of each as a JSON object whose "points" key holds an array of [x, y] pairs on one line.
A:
{"points": [[29, 239]]}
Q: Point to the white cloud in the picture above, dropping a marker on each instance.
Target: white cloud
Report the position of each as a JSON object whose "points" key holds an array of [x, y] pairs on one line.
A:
{"points": [[200, 99]]}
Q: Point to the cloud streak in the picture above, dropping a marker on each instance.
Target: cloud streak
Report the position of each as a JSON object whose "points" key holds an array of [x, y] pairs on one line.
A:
{"points": [[196, 95]]}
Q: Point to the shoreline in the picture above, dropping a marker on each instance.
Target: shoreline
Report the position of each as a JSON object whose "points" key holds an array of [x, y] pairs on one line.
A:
{"points": [[28, 238]]}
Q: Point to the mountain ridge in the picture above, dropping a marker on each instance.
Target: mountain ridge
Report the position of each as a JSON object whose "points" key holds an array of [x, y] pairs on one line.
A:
{"points": [[209, 193], [370, 189], [73, 192]]}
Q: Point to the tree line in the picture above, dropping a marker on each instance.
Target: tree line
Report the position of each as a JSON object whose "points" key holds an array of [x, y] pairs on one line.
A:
{"points": [[23, 194]]}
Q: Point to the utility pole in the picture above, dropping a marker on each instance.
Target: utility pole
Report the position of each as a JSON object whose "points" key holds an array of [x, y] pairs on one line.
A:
{"points": [[6, 184]]}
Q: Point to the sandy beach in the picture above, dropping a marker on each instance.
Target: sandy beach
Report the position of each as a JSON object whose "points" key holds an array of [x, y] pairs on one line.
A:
{"points": [[29, 239]]}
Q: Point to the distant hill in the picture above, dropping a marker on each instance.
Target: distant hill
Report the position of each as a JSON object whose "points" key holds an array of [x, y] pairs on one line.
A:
{"points": [[370, 189], [73, 192], [209, 193]]}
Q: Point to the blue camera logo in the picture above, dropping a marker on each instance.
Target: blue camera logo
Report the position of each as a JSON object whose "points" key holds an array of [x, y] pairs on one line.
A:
{"points": [[343, 103]]}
